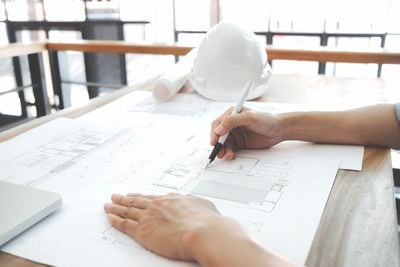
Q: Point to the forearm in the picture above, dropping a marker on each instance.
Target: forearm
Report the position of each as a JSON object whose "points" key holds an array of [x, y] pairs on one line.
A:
{"points": [[374, 125], [224, 243]]}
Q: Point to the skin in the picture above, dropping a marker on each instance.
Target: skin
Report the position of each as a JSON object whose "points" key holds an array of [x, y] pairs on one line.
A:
{"points": [[374, 125], [190, 228]]}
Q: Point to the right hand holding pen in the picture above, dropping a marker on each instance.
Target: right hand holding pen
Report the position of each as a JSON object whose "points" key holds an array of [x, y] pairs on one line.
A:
{"points": [[248, 129]]}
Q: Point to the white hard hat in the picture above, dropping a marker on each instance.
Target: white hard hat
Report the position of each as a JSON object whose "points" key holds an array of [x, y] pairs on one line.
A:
{"points": [[227, 58]]}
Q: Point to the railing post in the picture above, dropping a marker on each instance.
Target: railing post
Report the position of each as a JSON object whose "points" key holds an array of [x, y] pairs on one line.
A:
{"points": [[322, 65], [17, 70], [63, 99], [270, 40], [38, 84], [122, 60], [383, 40]]}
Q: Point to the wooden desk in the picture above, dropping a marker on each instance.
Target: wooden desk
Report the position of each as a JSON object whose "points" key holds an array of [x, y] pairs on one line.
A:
{"points": [[358, 226]]}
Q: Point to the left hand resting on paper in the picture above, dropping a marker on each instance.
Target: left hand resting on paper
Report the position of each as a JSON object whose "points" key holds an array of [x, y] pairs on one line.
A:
{"points": [[188, 228]]}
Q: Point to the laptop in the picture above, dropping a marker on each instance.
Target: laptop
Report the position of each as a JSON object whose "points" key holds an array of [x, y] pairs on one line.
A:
{"points": [[23, 206]]}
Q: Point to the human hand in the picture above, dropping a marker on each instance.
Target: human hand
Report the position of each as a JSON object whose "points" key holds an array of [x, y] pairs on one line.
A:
{"points": [[248, 129], [162, 224], [188, 228]]}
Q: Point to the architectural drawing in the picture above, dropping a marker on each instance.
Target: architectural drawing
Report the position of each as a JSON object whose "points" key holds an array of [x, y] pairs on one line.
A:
{"points": [[247, 179], [59, 154], [62, 153], [112, 237]]}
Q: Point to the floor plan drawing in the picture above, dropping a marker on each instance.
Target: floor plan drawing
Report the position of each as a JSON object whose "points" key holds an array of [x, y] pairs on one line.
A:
{"points": [[112, 237], [64, 152], [246, 180], [59, 154]]}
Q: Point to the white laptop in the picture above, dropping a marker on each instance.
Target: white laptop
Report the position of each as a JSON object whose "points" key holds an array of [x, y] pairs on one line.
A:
{"points": [[23, 206]]}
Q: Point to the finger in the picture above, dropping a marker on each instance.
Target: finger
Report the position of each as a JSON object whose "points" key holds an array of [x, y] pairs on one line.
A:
{"points": [[123, 212], [227, 112], [221, 153], [213, 136], [124, 225], [137, 202], [241, 119], [229, 151], [142, 196]]}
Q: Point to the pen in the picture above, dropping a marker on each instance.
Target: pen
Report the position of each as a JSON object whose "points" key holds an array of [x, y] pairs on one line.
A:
{"points": [[236, 109]]}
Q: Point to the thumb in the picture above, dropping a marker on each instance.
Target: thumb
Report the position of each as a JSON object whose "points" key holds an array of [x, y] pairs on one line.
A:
{"points": [[233, 121]]}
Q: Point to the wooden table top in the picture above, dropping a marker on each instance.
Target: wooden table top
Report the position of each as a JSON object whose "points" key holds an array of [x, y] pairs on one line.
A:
{"points": [[359, 225]]}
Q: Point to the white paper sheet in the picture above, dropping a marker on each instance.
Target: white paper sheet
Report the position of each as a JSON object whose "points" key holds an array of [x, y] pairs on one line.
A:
{"points": [[277, 194], [279, 198]]}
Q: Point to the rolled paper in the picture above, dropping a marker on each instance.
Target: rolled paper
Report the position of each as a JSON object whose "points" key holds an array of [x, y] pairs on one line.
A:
{"points": [[172, 81]]}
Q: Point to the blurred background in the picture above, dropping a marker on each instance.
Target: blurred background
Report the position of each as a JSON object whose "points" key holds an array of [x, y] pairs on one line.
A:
{"points": [[348, 24]]}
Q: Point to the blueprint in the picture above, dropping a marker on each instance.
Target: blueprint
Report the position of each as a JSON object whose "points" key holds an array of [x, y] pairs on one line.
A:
{"points": [[137, 145]]}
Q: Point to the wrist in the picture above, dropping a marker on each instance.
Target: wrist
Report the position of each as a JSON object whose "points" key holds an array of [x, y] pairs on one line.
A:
{"points": [[199, 237], [286, 124], [223, 242]]}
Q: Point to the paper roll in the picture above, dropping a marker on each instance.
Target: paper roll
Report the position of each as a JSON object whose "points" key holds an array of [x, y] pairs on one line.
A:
{"points": [[172, 81]]}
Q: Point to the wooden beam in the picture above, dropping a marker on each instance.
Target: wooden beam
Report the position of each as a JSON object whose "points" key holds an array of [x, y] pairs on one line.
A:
{"points": [[21, 49], [119, 47], [323, 54], [320, 54]]}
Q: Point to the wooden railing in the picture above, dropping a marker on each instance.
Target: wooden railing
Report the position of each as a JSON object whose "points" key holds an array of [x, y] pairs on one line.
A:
{"points": [[321, 54], [22, 49]]}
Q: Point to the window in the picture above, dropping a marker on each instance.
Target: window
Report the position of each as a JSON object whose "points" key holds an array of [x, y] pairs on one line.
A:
{"points": [[102, 10], [25, 10], [192, 15], [9, 103], [356, 16], [135, 33], [72, 66], [192, 39], [64, 10], [296, 41], [7, 79], [28, 36], [136, 10], [254, 17], [297, 16], [392, 42], [394, 18], [3, 34], [391, 71], [2, 11], [356, 43], [295, 67]]}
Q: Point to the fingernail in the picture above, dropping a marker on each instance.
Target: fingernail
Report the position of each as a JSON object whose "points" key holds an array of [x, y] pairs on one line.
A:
{"points": [[115, 196], [219, 129], [106, 206]]}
